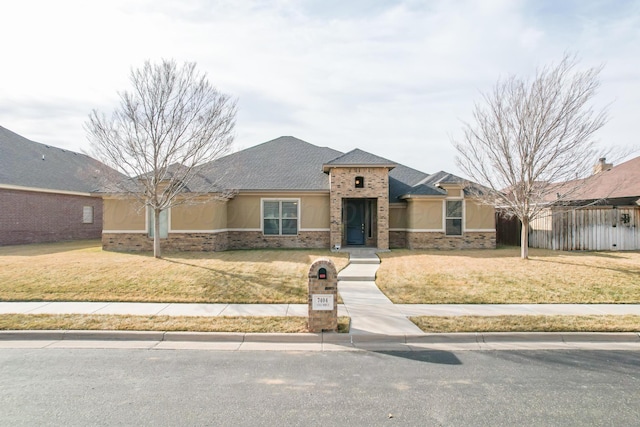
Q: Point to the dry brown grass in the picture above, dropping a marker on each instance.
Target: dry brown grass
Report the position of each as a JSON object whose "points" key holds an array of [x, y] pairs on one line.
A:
{"points": [[158, 323], [501, 277], [82, 271], [627, 323]]}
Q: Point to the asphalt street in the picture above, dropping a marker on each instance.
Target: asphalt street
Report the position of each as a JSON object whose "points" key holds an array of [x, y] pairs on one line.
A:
{"points": [[80, 387]]}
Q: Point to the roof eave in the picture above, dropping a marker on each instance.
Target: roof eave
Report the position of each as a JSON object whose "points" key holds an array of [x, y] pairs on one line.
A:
{"points": [[328, 166], [421, 196]]}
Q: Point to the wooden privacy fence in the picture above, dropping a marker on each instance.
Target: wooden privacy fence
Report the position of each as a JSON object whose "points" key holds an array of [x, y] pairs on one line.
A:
{"points": [[508, 229], [593, 228]]}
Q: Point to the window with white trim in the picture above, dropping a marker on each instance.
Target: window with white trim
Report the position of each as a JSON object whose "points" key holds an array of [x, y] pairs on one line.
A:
{"points": [[280, 217], [87, 214], [453, 218]]}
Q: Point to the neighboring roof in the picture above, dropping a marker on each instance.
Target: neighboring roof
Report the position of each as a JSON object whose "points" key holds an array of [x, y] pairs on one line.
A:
{"points": [[618, 185], [25, 163], [358, 157]]}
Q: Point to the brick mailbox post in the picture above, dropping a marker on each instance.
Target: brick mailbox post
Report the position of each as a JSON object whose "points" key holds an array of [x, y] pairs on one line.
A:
{"points": [[323, 296]]}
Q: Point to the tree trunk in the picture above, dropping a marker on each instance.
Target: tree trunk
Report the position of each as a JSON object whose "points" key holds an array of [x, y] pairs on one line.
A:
{"points": [[524, 239], [156, 233]]}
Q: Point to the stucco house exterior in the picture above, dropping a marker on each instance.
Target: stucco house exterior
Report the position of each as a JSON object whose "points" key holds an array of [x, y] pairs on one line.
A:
{"points": [[289, 193], [46, 193]]}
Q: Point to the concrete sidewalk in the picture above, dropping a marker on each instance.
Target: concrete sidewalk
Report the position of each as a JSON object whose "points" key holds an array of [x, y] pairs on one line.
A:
{"points": [[157, 309], [194, 309]]}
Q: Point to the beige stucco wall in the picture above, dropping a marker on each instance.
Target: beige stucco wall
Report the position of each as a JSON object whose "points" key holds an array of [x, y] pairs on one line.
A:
{"points": [[398, 216], [314, 212], [205, 215], [243, 211], [453, 191], [479, 216], [123, 215], [424, 214]]}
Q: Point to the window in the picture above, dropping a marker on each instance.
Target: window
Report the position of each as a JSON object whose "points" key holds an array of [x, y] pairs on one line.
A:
{"points": [[454, 218], [164, 223], [87, 214], [359, 182], [280, 217]]}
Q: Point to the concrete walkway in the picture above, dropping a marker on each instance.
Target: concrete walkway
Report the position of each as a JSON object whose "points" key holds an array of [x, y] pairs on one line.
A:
{"points": [[370, 310]]}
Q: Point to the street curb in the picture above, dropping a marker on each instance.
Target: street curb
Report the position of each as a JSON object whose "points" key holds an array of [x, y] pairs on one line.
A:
{"points": [[576, 337], [204, 336], [326, 337], [282, 338]]}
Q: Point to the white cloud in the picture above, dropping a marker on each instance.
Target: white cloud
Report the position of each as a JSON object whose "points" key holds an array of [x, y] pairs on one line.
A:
{"points": [[391, 77]]}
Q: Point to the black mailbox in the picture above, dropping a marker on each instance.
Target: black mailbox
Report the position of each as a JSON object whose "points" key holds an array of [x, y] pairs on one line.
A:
{"points": [[322, 273]]}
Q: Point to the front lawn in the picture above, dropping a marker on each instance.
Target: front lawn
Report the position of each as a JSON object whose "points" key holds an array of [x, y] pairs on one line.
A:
{"points": [[501, 277], [82, 271], [108, 322], [529, 323]]}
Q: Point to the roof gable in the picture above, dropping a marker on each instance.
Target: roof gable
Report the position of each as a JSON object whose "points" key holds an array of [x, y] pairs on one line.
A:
{"points": [[359, 157], [443, 178]]}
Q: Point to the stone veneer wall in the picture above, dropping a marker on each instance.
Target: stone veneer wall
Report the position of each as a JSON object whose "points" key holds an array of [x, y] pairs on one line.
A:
{"points": [[435, 240], [214, 242], [138, 242], [257, 240], [376, 186]]}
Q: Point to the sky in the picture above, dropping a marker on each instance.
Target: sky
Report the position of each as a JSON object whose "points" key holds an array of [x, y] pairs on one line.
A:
{"points": [[395, 78]]}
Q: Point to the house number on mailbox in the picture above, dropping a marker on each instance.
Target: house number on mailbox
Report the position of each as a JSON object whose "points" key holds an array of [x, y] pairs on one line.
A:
{"points": [[322, 302]]}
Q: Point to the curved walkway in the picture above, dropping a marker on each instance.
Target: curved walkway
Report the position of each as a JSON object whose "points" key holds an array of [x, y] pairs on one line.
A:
{"points": [[370, 310]]}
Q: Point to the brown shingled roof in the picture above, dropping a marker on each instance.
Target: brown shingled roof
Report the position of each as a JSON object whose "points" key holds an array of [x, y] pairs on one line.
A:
{"points": [[622, 181]]}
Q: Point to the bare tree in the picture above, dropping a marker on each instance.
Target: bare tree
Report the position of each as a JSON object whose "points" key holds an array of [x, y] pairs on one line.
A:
{"points": [[172, 122], [529, 136]]}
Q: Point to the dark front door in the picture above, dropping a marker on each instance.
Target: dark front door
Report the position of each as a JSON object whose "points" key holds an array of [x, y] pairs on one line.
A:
{"points": [[355, 221]]}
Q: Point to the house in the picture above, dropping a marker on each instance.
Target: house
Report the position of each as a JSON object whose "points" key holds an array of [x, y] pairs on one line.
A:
{"points": [[46, 192], [289, 193], [603, 214]]}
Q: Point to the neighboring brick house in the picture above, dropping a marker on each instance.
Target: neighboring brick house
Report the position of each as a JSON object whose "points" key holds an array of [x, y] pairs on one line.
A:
{"points": [[46, 192], [292, 194]]}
